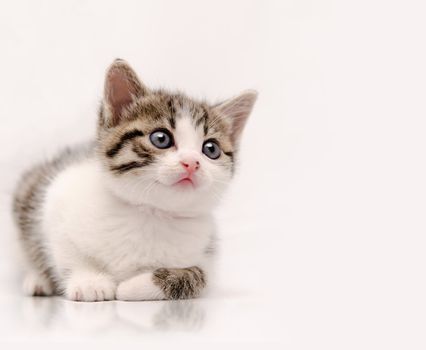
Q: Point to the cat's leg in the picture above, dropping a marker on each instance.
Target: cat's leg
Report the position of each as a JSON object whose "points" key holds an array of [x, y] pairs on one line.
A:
{"points": [[80, 277], [163, 283], [85, 284], [37, 284], [140, 287]]}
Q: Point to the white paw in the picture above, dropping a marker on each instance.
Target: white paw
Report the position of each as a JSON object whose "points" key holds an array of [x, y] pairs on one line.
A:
{"points": [[89, 286], [140, 287], [37, 285]]}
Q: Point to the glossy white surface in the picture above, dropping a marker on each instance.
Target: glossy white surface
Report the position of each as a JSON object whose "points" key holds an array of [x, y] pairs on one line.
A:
{"points": [[323, 233]]}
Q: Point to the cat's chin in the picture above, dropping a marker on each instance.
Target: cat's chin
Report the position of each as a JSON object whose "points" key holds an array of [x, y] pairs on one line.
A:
{"points": [[194, 197], [183, 199]]}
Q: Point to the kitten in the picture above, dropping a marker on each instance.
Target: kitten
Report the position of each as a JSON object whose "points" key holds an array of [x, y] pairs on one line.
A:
{"points": [[128, 217]]}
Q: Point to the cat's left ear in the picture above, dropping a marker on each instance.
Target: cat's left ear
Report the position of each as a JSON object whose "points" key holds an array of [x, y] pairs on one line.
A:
{"points": [[122, 88], [237, 111]]}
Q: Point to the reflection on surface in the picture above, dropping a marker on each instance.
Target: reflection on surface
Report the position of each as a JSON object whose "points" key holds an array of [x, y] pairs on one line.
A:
{"points": [[180, 315], [50, 313], [39, 312]]}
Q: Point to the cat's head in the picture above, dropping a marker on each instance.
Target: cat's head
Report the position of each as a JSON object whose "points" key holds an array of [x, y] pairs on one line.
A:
{"points": [[164, 149]]}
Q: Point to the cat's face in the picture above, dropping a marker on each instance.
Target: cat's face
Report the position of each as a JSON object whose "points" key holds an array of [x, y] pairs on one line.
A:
{"points": [[167, 150]]}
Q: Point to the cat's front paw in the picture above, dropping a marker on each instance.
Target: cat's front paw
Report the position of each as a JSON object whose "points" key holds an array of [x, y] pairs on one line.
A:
{"points": [[140, 287], [90, 286], [37, 285]]}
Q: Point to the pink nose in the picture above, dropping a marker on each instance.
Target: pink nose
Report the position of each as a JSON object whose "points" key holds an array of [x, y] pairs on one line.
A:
{"points": [[191, 165]]}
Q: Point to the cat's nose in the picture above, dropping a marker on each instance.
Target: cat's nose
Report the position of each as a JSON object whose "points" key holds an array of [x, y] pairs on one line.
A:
{"points": [[191, 165]]}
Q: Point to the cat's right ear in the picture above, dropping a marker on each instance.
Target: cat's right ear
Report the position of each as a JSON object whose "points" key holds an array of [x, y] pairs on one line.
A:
{"points": [[122, 87]]}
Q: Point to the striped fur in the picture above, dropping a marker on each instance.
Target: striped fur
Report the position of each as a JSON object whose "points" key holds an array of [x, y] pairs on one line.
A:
{"points": [[160, 110], [29, 196], [180, 283], [129, 135]]}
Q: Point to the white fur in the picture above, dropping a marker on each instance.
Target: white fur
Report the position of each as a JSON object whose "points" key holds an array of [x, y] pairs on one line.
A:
{"points": [[35, 284], [140, 287], [101, 230], [87, 285]]}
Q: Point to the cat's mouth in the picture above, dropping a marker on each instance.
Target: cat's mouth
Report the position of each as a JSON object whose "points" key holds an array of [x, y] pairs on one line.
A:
{"points": [[185, 182]]}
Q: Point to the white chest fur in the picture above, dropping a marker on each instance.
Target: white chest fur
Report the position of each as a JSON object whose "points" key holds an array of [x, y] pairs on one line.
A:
{"points": [[84, 223]]}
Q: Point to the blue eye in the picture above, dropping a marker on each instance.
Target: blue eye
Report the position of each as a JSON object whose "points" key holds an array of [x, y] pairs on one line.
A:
{"points": [[161, 139], [211, 149]]}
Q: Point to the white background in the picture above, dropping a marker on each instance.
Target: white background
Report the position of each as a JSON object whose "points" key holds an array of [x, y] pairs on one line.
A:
{"points": [[323, 232]]}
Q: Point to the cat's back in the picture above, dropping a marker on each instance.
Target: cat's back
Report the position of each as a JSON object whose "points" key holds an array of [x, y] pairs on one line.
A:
{"points": [[30, 192], [31, 188]]}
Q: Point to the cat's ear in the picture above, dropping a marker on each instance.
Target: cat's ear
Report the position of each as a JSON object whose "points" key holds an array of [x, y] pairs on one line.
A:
{"points": [[237, 111], [122, 87]]}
